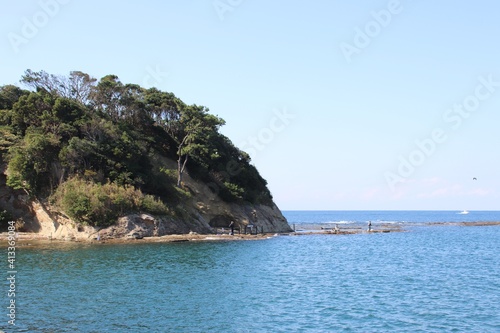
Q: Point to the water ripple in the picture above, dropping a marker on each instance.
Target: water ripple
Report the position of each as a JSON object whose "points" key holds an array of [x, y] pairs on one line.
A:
{"points": [[430, 280]]}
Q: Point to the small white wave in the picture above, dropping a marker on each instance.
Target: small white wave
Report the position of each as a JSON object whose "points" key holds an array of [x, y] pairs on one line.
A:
{"points": [[390, 222], [340, 222]]}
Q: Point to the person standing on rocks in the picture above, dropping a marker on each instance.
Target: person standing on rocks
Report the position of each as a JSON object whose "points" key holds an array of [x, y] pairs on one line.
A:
{"points": [[231, 227]]}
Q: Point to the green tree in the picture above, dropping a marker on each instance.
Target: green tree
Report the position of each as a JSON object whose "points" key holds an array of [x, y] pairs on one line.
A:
{"points": [[106, 97], [165, 109], [7, 140], [50, 83], [134, 106], [78, 86], [31, 164], [29, 110], [79, 155], [9, 95], [81, 86], [198, 127]]}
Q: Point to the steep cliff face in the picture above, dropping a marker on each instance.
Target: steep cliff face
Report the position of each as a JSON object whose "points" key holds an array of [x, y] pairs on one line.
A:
{"points": [[204, 213], [18, 205], [218, 213]]}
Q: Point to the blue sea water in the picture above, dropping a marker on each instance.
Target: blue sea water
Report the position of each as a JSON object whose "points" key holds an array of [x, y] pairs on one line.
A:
{"points": [[391, 216], [432, 278]]}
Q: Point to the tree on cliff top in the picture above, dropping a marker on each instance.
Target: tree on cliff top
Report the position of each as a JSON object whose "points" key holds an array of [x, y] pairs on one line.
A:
{"points": [[198, 127], [104, 131]]}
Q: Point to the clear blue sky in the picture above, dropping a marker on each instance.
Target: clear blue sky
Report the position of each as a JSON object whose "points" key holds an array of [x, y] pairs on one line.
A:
{"points": [[329, 97]]}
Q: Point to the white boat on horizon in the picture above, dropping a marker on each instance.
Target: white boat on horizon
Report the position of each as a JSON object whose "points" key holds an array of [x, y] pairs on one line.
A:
{"points": [[464, 212]]}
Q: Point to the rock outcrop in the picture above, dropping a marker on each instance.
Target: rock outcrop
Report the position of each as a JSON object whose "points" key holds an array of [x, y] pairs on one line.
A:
{"points": [[205, 212]]}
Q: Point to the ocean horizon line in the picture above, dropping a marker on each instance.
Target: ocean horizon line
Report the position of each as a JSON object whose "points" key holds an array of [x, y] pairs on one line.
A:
{"points": [[389, 210]]}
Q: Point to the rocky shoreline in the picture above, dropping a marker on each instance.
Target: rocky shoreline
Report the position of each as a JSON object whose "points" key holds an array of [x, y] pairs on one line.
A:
{"points": [[29, 239], [33, 239], [24, 239], [202, 214]]}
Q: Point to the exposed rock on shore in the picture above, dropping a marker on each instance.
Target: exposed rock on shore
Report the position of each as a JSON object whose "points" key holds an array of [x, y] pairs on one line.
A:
{"points": [[205, 212]]}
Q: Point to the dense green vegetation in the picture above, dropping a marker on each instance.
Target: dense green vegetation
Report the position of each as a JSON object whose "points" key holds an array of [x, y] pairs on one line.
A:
{"points": [[98, 149]]}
